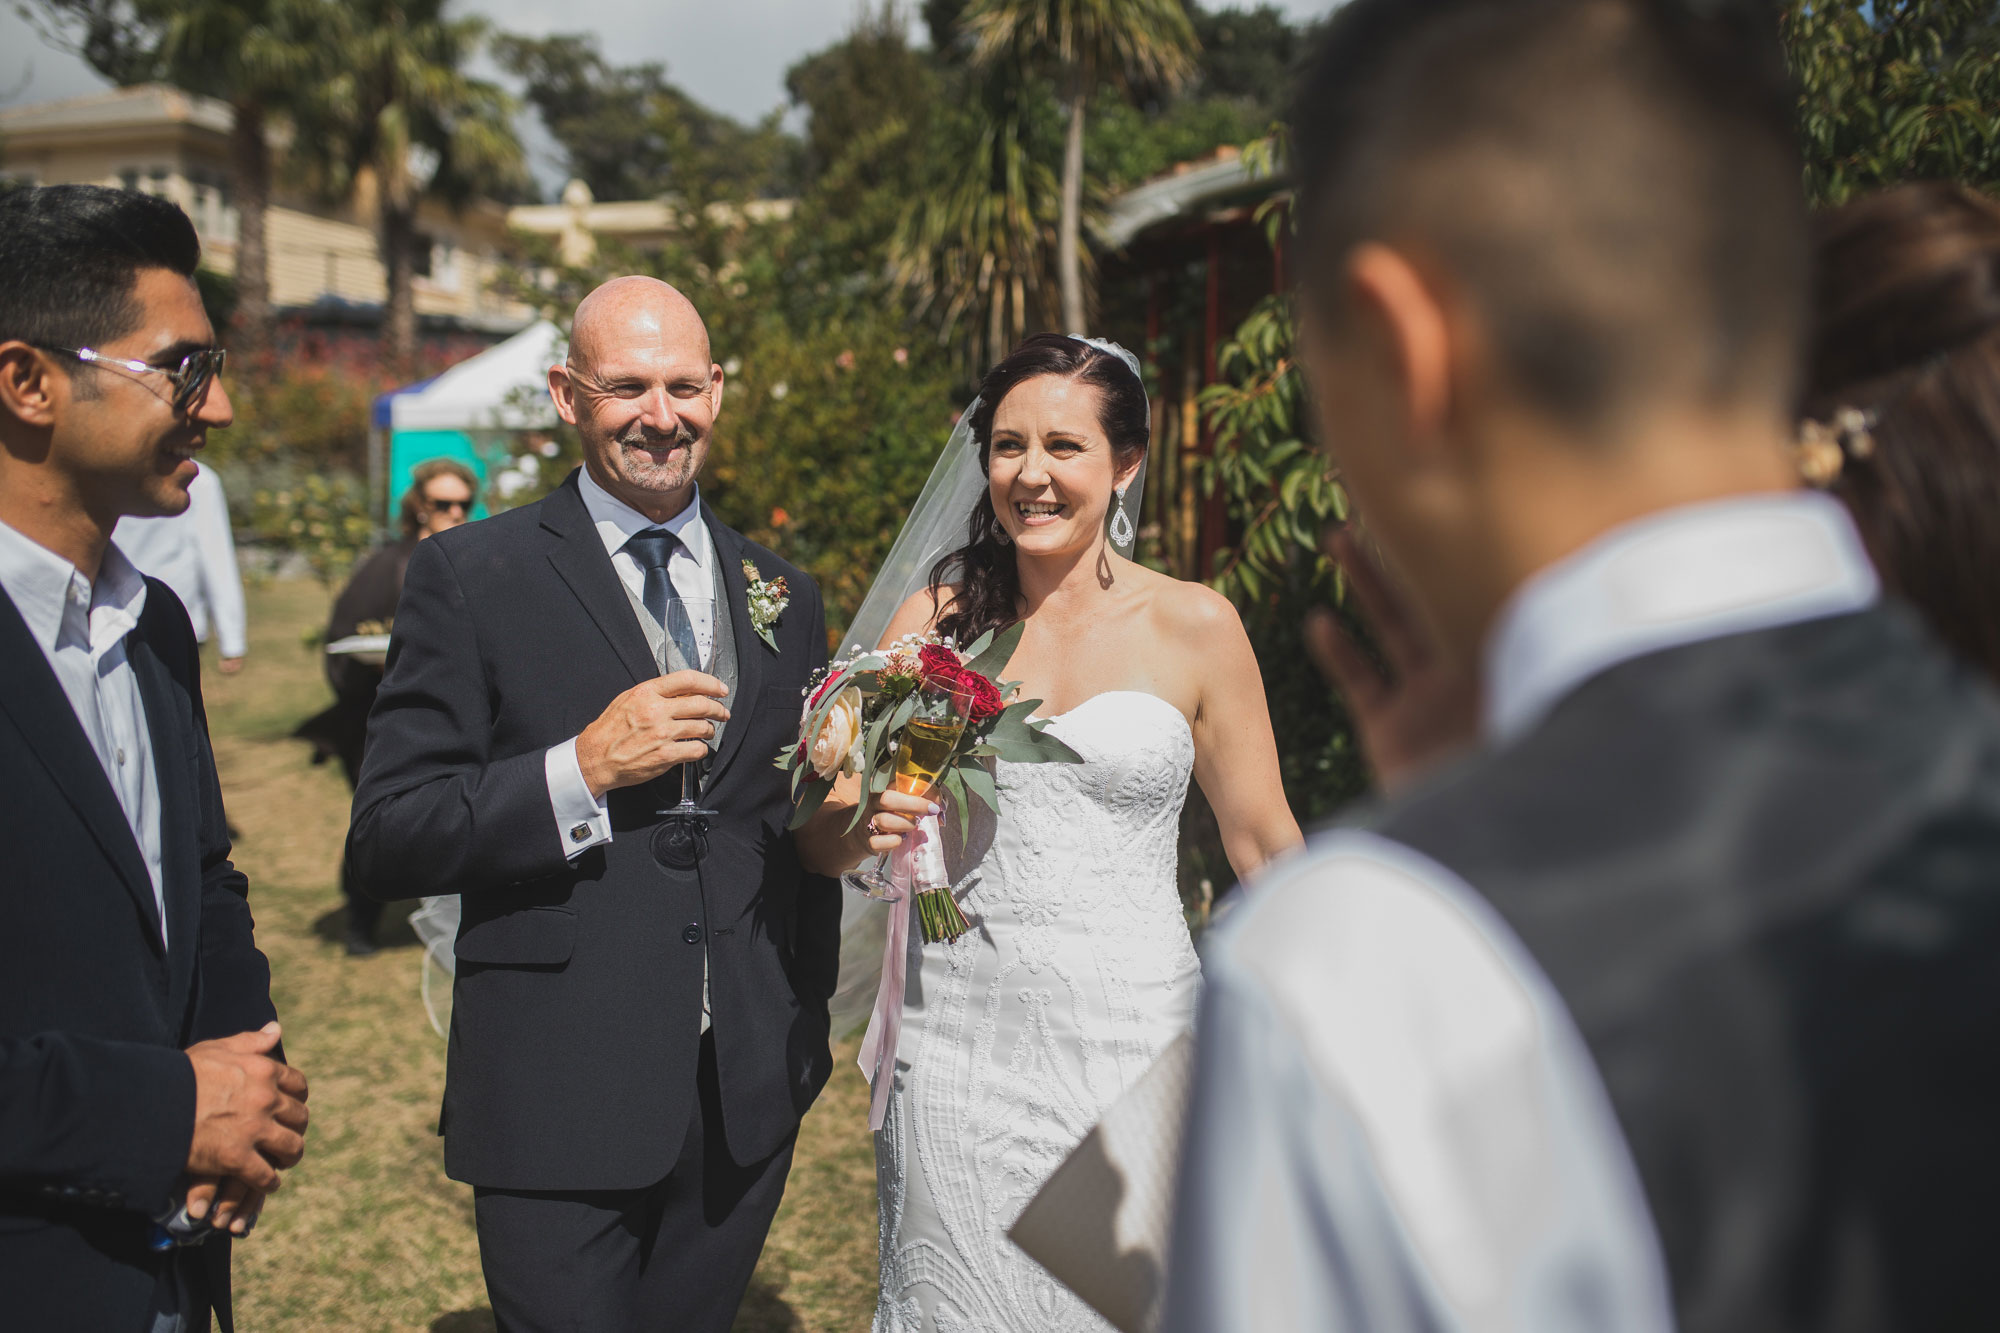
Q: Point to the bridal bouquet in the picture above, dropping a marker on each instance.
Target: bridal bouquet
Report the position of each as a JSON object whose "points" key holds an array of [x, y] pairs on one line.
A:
{"points": [[923, 716]]}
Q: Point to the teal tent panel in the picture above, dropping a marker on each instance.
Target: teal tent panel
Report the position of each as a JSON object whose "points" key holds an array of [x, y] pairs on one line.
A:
{"points": [[408, 448]]}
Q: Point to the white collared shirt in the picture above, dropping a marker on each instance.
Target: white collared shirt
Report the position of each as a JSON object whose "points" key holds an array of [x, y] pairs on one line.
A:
{"points": [[583, 821], [80, 627], [1395, 1123], [194, 553]]}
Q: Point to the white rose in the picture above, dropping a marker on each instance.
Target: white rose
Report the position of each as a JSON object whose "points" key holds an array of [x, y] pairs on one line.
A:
{"points": [[837, 747]]}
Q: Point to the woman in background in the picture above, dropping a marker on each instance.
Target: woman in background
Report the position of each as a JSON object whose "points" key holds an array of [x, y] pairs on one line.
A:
{"points": [[441, 495], [1903, 398]]}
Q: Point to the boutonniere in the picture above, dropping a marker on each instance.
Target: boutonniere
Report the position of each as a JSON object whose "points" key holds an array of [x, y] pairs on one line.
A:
{"points": [[768, 601]]}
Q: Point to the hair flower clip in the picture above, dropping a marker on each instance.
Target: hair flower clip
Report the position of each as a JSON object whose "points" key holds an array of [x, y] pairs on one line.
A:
{"points": [[1823, 448]]}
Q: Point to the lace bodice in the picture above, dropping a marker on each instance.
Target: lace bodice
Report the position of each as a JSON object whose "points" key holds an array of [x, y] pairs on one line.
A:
{"points": [[1077, 973]]}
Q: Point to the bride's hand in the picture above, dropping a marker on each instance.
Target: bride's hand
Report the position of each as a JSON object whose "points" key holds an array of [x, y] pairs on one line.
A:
{"points": [[892, 816]]}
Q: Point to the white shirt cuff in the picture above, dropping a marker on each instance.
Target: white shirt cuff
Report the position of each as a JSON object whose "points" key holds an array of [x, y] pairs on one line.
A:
{"points": [[582, 820]]}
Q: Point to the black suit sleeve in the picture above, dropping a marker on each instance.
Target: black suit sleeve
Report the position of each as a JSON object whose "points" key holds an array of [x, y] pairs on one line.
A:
{"points": [[92, 1121], [818, 952], [235, 975], [435, 812]]}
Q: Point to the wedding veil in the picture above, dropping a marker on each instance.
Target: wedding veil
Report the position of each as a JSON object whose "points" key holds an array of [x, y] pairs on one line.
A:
{"points": [[938, 524]]}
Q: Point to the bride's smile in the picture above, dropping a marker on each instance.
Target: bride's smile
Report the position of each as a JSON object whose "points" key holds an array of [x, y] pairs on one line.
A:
{"points": [[1050, 468]]}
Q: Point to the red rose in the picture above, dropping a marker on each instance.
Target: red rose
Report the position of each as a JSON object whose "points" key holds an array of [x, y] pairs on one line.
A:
{"points": [[985, 694], [825, 686], [936, 659], [958, 680]]}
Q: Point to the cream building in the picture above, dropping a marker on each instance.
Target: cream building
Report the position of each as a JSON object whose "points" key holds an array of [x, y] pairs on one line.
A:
{"points": [[173, 144], [579, 222]]}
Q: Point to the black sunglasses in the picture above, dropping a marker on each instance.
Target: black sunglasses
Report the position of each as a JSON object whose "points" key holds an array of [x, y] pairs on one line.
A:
{"points": [[190, 378], [439, 506]]}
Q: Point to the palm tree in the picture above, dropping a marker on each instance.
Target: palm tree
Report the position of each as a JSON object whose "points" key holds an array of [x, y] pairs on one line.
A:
{"points": [[252, 54], [974, 248], [397, 119], [1124, 41]]}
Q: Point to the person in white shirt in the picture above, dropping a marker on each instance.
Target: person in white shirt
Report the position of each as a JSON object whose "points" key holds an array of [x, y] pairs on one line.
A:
{"points": [[145, 1106], [1670, 1003], [194, 553]]}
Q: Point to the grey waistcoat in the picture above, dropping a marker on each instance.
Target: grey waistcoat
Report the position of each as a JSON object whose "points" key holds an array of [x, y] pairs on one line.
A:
{"points": [[668, 654]]}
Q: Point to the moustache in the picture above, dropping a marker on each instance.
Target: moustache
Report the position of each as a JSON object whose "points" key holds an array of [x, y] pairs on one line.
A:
{"points": [[644, 437]]}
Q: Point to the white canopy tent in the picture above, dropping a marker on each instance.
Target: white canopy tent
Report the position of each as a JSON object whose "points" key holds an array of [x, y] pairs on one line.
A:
{"points": [[501, 390], [505, 387]]}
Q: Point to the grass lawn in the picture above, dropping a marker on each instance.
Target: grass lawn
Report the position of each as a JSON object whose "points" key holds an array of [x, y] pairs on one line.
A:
{"points": [[368, 1234]]}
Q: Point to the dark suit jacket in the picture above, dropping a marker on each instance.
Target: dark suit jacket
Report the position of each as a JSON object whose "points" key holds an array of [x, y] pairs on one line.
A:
{"points": [[576, 1011], [96, 1099]]}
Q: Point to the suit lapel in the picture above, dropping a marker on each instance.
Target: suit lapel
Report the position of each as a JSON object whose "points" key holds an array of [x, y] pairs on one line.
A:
{"points": [[39, 709], [750, 650], [579, 557], [169, 722]]}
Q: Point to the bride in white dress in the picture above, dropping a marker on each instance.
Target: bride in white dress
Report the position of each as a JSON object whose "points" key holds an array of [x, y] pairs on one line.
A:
{"points": [[1078, 970]]}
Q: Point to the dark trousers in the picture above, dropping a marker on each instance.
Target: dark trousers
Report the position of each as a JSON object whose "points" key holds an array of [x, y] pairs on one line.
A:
{"points": [[675, 1256]]}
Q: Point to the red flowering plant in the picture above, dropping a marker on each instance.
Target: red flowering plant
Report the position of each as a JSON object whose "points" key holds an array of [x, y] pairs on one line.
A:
{"points": [[927, 717]]}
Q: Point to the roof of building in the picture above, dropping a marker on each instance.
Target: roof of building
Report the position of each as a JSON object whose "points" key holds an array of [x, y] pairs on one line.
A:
{"points": [[1189, 188], [144, 106]]}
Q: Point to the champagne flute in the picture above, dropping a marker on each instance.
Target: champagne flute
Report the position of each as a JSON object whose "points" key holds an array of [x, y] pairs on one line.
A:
{"points": [[923, 751], [683, 838]]}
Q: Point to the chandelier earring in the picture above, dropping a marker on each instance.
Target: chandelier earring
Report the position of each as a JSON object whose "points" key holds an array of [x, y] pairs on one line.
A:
{"points": [[1122, 532]]}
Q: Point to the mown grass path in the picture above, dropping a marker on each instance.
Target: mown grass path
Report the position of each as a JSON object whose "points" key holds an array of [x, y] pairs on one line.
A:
{"points": [[368, 1234]]}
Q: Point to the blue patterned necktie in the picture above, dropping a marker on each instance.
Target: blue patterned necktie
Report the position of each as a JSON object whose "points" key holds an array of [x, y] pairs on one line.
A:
{"points": [[653, 548]]}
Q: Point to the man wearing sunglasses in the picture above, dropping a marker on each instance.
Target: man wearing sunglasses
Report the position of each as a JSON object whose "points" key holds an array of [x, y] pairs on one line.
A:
{"points": [[145, 1108]]}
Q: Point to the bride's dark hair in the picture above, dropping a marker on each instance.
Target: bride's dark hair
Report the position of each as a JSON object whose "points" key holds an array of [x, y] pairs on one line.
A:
{"points": [[988, 584]]}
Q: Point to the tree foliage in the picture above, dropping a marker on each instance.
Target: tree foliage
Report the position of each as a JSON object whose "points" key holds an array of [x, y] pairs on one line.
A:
{"points": [[1895, 90], [1281, 489], [1129, 43], [628, 133], [256, 55], [396, 117]]}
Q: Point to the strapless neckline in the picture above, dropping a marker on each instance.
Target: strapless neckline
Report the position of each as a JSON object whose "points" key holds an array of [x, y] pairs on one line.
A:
{"points": [[1074, 709]]}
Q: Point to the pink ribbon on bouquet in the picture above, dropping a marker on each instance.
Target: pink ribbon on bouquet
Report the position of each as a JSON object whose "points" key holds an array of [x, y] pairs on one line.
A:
{"points": [[922, 850]]}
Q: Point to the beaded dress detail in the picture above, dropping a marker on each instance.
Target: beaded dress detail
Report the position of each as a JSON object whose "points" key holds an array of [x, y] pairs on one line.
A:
{"points": [[1077, 973]]}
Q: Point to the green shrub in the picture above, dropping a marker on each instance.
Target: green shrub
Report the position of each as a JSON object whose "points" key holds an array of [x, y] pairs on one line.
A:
{"points": [[322, 517]]}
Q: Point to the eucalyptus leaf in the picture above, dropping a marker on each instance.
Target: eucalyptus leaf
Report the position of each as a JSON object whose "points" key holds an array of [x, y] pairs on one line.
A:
{"points": [[815, 797], [1034, 748], [993, 658], [979, 645], [980, 783]]}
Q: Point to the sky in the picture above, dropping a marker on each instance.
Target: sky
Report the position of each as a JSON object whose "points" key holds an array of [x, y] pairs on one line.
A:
{"points": [[730, 54]]}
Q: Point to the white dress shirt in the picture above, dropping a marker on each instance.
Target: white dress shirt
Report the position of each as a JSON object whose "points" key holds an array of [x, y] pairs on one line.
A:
{"points": [[194, 554], [583, 821], [81, 629], [1395, 1124]]}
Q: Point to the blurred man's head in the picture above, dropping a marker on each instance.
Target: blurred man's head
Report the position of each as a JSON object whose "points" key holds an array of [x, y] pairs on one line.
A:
{"points": [[441, 495], [107, 358], [642, 391], [1555, 264]]}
